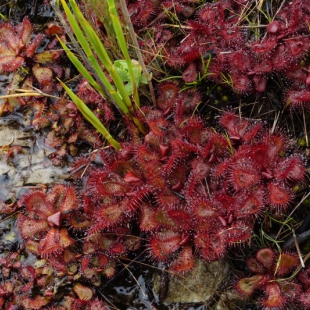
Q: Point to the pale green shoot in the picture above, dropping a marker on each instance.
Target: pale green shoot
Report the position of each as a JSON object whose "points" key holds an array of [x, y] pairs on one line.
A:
{"points": [[123, 71], [123, 46]]}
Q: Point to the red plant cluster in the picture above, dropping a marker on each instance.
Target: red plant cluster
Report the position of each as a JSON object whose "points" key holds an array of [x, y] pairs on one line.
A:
{"points": [[33, 287], [183, 189], [186, 186], [242, 59], [272, 275], [36, 54], [71, 129]]}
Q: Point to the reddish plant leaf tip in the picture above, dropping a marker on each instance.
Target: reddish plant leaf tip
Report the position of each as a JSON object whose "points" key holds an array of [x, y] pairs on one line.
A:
{"points": [[305, 298], [275, 298], [243, 175], [279, 195], [266, 256], [184, 262], [291, 168], [164, 244], [287, 262], [54, 219], [131, 178], [247, 286]]}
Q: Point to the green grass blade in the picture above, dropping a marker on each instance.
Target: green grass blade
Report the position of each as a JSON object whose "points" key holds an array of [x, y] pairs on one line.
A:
{"points": [[86, 47], [101, 53], [90, 116], [80, 67]]}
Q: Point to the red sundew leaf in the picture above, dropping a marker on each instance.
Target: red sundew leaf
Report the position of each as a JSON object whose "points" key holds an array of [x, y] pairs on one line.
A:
{"points": [[14, 64], [83, 292], [62, 198], [69, 256], [208, 14], [43, 75], [260, 82], [217, 247], [229, 121], [264, 47], [130, 177], [286, 263], [189, 54], [32, 246], [275, 298], [252, 132], [226, 202], [297, 46], [184, 262], [189, 74], [28, 273], [168, 92], [111, 184], [53, 140], [180, 219], [275, 144], [152, 140], [167, 198], [136, 197], [266, 256], [54, 219], [246, 286], [110, 214], [27, 287], [8, 36], [243, 175], [26, 31], [164, 244], [53, 29], [241, 84], [279, 195], [29, 228], [158, 126], [37, 303], [304, 277], [274, 27], [109, 270], [203, 209], [147, 218], [305, 298], [54, 241], [2, 291], [290, 289], [117, 249], [255, 266], [98, 305], [258, 154], [298, 98], [216, 148], [291, 168], [146, 155], [4, 53], [11, 63], [65, 240], [251, 203], [221, 169], [193, 130], [32, 46], [238, 232]]}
